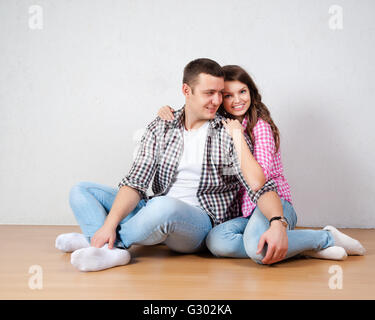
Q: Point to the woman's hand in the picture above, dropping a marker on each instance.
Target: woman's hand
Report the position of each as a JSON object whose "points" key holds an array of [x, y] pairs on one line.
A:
{"points": [[105, 234], [277, 243], [166, 113], [231, 125]]}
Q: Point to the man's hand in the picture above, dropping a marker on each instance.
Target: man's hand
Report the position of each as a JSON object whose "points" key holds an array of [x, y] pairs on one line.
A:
{"points": [[166, 113], [106, 234], [277, 242]]}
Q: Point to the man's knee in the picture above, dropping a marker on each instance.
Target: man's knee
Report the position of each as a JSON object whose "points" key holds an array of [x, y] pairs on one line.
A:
{"points": [[76, 191], [215, 243], [184, 246], [164, 206], [223, 242]]}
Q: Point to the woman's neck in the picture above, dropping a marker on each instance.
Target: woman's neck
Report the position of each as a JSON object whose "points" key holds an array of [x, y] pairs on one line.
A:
{"points": [[240, 118]]}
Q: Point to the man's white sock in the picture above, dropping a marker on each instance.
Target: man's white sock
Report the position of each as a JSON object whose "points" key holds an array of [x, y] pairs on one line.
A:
{"points": [[351, 246], [330, 253], [69, 242], [95, 259]]}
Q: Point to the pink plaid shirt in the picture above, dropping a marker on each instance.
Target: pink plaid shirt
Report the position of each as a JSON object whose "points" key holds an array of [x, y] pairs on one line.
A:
{"points": [[264, 153]]}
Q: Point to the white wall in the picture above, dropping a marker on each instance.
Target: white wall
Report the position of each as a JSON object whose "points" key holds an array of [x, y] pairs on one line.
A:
{"points": [[74, 93]]}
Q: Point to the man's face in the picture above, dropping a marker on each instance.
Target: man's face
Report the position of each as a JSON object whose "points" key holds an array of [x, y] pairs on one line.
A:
{"points": [[206, 96]]}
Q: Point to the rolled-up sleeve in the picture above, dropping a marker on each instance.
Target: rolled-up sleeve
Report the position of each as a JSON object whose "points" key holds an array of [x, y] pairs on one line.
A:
{"points": [[270, 185], [144, 165]]}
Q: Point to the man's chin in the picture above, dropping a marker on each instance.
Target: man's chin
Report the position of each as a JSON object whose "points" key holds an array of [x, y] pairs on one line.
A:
{"points": [[210, 115]]}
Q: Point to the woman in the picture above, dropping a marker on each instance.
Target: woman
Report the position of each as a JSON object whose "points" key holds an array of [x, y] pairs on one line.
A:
{"points": [[253, 235]]}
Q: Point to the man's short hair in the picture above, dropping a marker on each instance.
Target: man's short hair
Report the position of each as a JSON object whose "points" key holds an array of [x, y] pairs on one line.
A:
{"points": [[198, 66]]}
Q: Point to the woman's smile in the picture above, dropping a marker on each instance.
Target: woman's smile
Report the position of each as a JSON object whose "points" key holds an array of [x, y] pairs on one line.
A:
{"points": [[239, 107], [236, 98]]}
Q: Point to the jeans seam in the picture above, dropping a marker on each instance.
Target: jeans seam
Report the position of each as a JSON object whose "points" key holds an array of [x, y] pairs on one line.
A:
{"points": [[173, 222]]}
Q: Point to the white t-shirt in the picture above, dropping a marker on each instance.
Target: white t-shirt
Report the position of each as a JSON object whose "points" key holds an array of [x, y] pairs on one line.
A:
{"points": [[186, 183]]}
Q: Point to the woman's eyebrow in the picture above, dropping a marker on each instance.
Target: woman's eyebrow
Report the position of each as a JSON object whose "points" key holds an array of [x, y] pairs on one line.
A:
{"points": [[231, 91]]}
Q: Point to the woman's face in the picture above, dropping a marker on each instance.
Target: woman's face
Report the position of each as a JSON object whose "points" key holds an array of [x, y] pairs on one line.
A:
{"points": [[236, 98]]}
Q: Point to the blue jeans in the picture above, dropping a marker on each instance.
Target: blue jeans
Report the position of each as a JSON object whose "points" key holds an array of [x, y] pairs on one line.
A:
{"points": [[182, 227], [239, 237]]}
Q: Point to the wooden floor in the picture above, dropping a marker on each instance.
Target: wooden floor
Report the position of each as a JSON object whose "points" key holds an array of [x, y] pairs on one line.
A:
{"points": [[157, 273]]}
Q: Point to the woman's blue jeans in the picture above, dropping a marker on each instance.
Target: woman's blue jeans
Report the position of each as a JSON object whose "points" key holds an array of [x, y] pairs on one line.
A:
{"points": [[182, 227], [239, 237]]}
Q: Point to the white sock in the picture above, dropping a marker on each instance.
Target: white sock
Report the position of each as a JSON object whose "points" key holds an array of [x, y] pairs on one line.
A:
{"points": [[95, 259], [69, 242], [351, 246], [330, 253]]}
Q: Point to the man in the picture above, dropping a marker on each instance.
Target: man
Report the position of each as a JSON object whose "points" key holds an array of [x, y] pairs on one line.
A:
{"points": [[196, 178]]}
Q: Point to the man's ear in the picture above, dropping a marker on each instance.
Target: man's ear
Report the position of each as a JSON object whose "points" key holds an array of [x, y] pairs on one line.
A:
{"points": [[186, 90]]}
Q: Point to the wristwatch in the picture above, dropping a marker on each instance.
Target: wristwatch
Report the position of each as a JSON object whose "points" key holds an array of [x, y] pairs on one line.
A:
{"points": [[281, 219]]}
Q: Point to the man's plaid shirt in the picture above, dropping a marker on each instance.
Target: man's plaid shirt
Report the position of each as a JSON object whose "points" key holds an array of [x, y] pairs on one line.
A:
{"points": [[221, 178]]}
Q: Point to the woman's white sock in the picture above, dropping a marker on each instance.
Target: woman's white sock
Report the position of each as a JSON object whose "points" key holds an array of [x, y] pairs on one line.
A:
{"points": [[330, 253], [95, 259], [351, 246], [69, 242]]}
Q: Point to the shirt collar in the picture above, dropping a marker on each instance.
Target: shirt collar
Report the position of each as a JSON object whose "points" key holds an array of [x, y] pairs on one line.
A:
{"points": [[245, 121]]}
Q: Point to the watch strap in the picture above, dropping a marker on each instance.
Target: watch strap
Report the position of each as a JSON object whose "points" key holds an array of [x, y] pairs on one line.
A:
{"points": [[275, 218], [282, 219]]}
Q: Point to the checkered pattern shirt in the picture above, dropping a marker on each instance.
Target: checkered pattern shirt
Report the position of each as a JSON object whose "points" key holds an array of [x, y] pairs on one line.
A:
{"points": [[221, 178], [264, 154]]}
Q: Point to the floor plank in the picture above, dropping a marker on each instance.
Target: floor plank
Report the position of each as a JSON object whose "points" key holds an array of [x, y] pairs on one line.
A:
{"points": [[157, 273]]}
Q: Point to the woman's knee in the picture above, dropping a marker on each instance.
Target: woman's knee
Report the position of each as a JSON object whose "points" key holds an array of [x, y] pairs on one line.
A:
{"points": [[251, 247], [251, 251]]}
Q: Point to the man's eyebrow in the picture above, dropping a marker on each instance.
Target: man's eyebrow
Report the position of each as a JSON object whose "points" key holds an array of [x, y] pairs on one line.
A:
{"points": [[209, 90]]}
